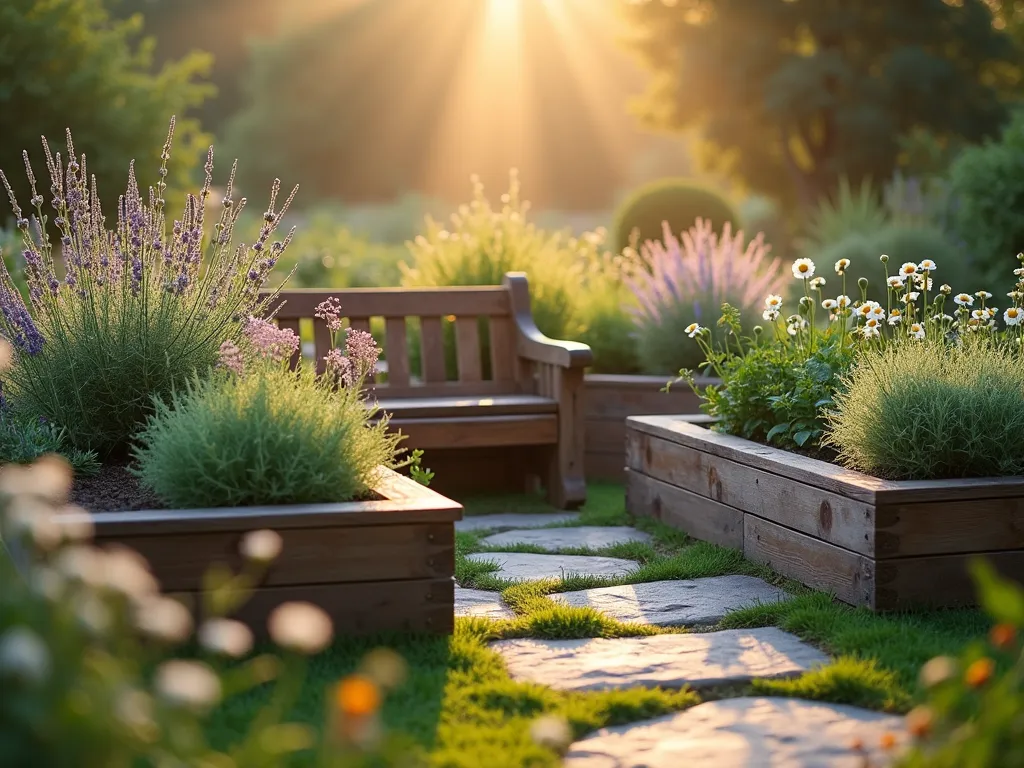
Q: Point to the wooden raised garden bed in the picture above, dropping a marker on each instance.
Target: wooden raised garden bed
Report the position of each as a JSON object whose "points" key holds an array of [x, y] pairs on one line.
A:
{"points": [[877, 543], [386, 564], [609, 399]]}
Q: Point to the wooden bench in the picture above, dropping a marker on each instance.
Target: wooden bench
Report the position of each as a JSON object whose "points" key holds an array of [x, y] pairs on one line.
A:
{"points": [[529, 393]]}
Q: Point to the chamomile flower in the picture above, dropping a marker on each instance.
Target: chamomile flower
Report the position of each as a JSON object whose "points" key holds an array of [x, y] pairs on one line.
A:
{"points": [[927, 266], [870, 333], [1013, 316], [964, 299], [895, 317], [1019, 272], [842, 301], [842, 265], [803, 269], [773, 301], [873, 323], [869, 308], [941, 318], [817, 282], [916, 330], [979, 314], [771, 315], [909, 268], [896, 281], [692, 330], [910, 297], [829, 304], [795, 324], [983, 295], [923, 282]]}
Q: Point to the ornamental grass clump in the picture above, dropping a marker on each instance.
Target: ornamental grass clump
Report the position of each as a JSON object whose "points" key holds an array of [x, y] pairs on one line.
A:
{"points": [[684, 281], [919, 411], [116, 318], [257, 432]]}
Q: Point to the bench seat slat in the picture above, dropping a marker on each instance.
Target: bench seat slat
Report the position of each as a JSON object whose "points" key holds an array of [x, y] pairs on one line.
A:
{"points": [[478, 431], [466, 406]]}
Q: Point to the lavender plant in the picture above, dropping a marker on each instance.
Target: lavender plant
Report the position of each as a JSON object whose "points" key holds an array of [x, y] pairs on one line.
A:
{"points": [[269, 434], [681, 282], [116, 319]]}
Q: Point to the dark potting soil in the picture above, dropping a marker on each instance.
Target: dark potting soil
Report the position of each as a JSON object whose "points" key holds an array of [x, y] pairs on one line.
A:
{"points": [[113, 489]]}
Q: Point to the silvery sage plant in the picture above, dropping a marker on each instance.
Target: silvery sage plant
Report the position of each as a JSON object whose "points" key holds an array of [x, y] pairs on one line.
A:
{"points": [[116, 317]]}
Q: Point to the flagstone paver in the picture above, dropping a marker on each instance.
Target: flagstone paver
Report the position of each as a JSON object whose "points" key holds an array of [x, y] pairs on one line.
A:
{"points": [[669, 661], [506, 520], [741, 732], [684, 602], [516, 565], [554, 539], [478, 602]]}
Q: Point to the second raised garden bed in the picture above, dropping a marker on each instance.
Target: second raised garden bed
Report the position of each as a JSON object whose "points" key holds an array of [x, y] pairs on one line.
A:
{"points": [[379, 565], [877, 543]]}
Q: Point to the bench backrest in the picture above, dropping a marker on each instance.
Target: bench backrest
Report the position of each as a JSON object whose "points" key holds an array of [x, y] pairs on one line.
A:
{"points": [[480, 319]]}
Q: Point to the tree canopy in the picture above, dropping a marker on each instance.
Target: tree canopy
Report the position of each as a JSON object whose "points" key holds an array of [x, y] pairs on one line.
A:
{"points": [[68, 64], [792, 95]]}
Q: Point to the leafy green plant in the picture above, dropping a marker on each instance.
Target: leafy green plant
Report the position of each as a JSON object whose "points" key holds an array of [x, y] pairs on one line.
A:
{"points": [[973, 705], [930, 410], [848, 212], [23, 439], [99, 668], [419, 473], [680, 202], [138, 310], [259, 433]]}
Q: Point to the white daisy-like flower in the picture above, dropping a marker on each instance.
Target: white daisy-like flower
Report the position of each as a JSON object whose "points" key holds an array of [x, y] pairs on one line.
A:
{"points": [[842, 301], [869, 308], [896, 281], [916, 330], [226, 637], [190, 684], [927, 266], [873, 322], [1016, 295], [692, 330], [164, 618], [829, 304], [803, 269], [24, 655], [964, 299], [795, 324], [301, 627], [895, 317], [941, 318], [774, 301], [261, 546], [992, 311], [1019, 272], [923, 282], [909, 268], [817, 282], [842, 265], [771, 315], [912, 296], [983, 295], [980, 314], [870, 333], [1013, 316]]}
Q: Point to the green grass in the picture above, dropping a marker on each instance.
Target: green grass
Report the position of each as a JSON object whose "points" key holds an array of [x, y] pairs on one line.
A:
{"points": [[460, 708]]}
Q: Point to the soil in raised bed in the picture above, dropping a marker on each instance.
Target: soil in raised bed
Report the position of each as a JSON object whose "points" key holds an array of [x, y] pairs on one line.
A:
{"points": [[113, 489]]}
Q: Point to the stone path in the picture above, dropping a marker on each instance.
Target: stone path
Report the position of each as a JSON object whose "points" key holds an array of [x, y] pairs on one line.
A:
{"points": [[676, 603], [668, 661], [554, 539], [478, 602], [515, 565], [508, 520], [744, 732]]}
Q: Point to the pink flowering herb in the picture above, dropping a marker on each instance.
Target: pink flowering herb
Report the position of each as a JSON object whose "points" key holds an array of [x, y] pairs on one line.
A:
{"points": [[269, 341], [339, 368], [361, 348], [330, 312], [230, 357]]}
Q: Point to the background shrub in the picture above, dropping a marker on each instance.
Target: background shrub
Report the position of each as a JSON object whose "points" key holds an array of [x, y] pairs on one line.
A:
{"points": [[23, 439], [987, 184], [683, 281], [262, 438], [678, 201], [124, 324], [918, 411]]}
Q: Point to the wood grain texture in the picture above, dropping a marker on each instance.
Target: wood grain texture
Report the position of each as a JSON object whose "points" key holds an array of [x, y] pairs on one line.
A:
{"points": [[436, 407], [810, 561], [396, 352], [935, 528], [476, 432], [503, 349], [848, 523], [309, 555], [695, 515], [467, 348], [425, 605], [939, 580], [482, 301], [432, 349]]}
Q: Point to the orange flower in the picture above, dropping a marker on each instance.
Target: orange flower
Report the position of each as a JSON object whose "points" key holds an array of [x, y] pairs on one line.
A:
{"points": [[357, 696], [888, 740], [920, 721], [980, 672], [1003, 636]]}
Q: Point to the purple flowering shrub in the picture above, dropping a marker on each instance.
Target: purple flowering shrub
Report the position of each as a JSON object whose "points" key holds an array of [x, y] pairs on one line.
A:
{"points": [[258, 432], [118, 317], [683, 281]]}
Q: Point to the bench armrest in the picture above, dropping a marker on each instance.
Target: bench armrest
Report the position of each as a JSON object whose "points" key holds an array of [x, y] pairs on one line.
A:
{"points": [[533, 345]]}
